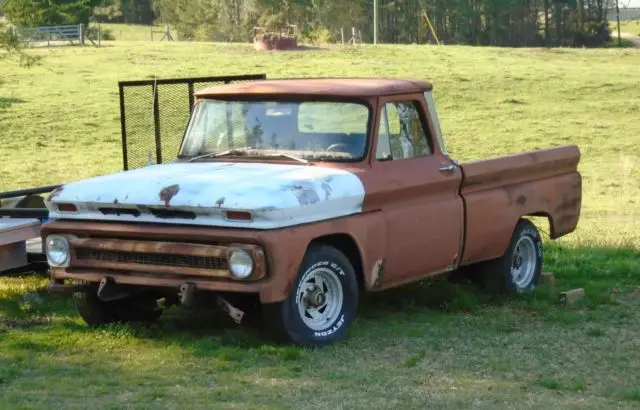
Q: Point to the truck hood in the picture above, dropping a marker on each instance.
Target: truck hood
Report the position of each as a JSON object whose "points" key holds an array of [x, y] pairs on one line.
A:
{"points": [[276, 195]]}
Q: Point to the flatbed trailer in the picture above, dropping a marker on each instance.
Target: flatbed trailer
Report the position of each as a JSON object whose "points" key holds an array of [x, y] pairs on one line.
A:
{"points": [[21, 214]]}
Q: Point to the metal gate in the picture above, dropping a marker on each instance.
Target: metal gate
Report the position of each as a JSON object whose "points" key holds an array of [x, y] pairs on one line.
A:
{"points": [[154, 116]]}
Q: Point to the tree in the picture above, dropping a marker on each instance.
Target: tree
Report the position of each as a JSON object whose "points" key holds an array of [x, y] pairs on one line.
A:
{"points": [[10, 46], [50, 12], [478, 22]]}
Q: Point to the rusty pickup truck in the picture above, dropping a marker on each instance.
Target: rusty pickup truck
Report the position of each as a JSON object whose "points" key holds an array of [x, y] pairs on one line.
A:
{"points": [[304, 193]]}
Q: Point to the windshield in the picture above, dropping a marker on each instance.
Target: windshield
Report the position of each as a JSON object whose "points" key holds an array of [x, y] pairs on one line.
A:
{"points": [[313, 130]]}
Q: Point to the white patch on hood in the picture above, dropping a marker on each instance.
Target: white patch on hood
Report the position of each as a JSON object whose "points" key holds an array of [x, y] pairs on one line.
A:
{"points": [[277, 195]]}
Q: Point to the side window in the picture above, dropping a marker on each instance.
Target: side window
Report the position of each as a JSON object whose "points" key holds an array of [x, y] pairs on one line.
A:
{"points": [[401, 133]]}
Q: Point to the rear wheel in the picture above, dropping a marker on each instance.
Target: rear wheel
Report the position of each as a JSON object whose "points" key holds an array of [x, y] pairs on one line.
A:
{"points": [[95, 312], [322, 304], [519, 269]]}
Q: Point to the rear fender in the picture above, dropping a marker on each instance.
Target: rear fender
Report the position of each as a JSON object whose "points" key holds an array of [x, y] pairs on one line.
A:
{"points": [[500, 191]]}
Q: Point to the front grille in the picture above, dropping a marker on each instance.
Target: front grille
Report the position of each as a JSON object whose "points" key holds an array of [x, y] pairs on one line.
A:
{"points": [[184, 261]]}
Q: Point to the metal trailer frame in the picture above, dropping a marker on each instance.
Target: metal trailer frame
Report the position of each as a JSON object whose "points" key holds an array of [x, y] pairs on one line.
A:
{"points": [[36, 255]]}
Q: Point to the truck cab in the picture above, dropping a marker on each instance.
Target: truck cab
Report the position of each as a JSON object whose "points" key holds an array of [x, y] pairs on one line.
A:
{"points": [[305, 193]]}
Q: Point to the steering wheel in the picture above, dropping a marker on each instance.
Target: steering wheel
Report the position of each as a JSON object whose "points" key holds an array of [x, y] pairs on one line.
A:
{"points": [[330, 147]]}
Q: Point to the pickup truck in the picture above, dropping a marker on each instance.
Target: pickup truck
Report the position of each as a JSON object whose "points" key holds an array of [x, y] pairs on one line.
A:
{"points": [[304, 194]]}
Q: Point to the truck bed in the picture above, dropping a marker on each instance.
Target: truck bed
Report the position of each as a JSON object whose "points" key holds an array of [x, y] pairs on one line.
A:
{"points": [[498, 191]]}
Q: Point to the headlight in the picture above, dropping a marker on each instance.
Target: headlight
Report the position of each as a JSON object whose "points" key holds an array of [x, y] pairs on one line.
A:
{"points": [[57, 249], [240, 264]]}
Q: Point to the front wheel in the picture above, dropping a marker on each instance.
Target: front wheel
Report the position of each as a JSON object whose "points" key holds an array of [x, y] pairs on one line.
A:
{"points": [[519, 269], [322, 304]]}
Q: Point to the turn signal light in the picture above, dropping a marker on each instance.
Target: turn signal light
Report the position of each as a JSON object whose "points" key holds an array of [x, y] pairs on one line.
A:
{"points": [[238, 215], [67, 208]]}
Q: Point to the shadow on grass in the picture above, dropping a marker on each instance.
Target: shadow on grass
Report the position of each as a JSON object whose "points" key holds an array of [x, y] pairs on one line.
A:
{"points": [[604, 273], [7, 102]]}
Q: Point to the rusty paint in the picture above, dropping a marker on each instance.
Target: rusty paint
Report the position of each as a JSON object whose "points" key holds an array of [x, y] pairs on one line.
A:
{"points": [[168, 193], [377, 273], [327, 190], [280, 263], [550, 184], [129, 247], [143, 279], [568, 203], [413, 221], [338, 87], [304, 191]]}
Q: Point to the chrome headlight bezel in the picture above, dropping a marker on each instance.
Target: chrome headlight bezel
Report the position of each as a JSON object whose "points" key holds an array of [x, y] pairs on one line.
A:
{"points": [[241, 263], [58, 251]]}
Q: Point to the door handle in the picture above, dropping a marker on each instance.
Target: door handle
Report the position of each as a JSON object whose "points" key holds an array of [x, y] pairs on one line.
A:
{"points": [[448, 168]]}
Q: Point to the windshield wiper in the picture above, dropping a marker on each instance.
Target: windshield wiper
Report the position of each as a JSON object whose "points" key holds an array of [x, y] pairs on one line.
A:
{"points": [[243, 151], [304, 161], [238, 151]]}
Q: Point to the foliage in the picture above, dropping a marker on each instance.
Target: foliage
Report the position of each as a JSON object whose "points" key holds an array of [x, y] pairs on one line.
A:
{"points": [[478, 22], [10, 46], [105, 34], [49, 12], [138, 11]]}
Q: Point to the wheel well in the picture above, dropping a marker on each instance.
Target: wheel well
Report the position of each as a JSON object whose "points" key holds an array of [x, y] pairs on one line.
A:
{"points": [[537, 219], [347, 245]]}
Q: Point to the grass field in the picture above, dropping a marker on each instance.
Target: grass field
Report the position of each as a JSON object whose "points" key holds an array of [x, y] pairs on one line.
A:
{"points": [[133, 32], [428, 345], [626, 26]]}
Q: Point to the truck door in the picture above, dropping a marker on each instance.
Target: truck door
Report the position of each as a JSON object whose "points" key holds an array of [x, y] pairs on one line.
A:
{"points": [[422, 207]]}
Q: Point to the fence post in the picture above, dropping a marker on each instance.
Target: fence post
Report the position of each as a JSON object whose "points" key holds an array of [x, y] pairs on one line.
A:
{"points": [[191, 96], [123, 128], [156, 123], [81, 28], [99, 34]]}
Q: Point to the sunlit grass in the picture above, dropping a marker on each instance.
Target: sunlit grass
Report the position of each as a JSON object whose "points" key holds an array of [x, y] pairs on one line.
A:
{"points": [[429, 345]]}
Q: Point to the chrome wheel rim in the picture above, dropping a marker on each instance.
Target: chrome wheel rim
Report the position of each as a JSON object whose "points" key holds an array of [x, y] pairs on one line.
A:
{"points": [[319, 298], [523, 264]]}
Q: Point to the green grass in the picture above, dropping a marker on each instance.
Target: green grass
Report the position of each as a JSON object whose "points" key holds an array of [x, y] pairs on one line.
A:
{"points": [[136, 32], [427, 345], [626, 26]]}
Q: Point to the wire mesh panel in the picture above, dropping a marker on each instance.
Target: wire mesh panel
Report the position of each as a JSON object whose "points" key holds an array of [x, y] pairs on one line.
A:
{"points": [[154, 116]]}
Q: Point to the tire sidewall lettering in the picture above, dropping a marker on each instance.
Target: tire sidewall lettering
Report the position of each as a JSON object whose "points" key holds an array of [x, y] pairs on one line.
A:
{"points": [[338, 324], [333, 328]]}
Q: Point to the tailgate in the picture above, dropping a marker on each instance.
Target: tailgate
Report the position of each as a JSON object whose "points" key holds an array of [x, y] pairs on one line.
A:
{"points": [[497, 192]]}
